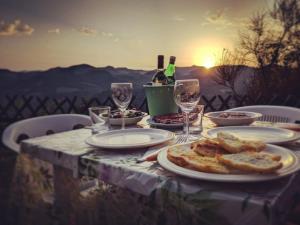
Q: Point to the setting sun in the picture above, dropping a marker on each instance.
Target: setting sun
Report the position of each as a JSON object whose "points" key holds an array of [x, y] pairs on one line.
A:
{"points": [[206, 57], [208, 62]]}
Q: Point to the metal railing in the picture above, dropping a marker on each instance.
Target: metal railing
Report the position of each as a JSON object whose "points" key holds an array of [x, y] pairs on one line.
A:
{"points": [[18, 107]]}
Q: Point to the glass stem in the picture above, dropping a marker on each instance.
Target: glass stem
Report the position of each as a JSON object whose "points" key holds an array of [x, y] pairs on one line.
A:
{"points": [[123, 119], [187, 132]]}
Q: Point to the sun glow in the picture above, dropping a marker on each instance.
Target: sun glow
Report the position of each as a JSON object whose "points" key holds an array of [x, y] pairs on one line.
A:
{"points": [[207, 52], [205, 58], [208, 62]]}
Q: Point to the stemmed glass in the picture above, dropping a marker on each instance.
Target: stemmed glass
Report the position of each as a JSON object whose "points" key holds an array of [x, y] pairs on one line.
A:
{"points": [[187, 96], [121, 95]]}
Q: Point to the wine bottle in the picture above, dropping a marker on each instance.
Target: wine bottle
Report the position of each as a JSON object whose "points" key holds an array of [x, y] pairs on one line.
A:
{"points": [[170, 71], [159, 77]]}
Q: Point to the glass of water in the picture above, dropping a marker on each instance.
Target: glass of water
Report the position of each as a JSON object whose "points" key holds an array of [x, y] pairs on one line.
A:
{"points": [[122, 95], [187, 96], [197, 126], [100, 118]]}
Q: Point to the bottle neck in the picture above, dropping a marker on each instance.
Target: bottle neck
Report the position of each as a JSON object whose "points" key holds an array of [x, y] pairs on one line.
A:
{"points": [[160, 62], [170, 70]]}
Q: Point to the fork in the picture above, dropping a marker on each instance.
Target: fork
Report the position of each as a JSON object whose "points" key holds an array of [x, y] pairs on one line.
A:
{"points": [[153, 155]]}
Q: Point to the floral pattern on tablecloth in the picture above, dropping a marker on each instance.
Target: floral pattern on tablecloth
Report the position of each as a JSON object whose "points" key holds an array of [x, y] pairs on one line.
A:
{"points": [[261, 201], [217, 203]]}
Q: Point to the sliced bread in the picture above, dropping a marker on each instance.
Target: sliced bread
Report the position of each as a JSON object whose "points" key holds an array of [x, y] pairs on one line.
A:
{"points": [[233, 144], [190, 159], [207, 147], [252, 161]]}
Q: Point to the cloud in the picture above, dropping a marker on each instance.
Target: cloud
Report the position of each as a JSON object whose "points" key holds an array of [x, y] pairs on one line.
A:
{"points": [[110, 36], [107, 34], [87, 31], [217, 18], [54, 31], [178, 18], [94, 32], [15, 28]]}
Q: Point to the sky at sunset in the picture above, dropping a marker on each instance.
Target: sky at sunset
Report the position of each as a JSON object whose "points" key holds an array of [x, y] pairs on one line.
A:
{"points": [[39, 34]]}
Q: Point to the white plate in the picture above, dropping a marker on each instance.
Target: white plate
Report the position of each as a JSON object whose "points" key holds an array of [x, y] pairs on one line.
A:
{"points": [[130, 138], [251, 117], [266, 134], [288, 158]]}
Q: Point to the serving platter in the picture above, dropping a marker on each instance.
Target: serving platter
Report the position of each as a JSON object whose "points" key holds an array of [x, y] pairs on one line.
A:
{"points": [[246, 119], [165, 125], [130, 138], [288, 158], [128, 120]]}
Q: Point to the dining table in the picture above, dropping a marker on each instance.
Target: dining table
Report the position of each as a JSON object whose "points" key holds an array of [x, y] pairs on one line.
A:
{"points": [[189, 201]]}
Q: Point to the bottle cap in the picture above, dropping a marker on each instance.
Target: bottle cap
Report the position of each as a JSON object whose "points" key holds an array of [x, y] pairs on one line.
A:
{"points": [[172, 59], [160, 62]]}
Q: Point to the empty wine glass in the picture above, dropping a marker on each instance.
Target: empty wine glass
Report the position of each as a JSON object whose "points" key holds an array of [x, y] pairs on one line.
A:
{"points": [[187, 96], [121, 95]]}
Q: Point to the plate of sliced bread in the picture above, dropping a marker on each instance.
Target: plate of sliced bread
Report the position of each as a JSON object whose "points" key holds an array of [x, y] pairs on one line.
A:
{"points": [[226, 159]]}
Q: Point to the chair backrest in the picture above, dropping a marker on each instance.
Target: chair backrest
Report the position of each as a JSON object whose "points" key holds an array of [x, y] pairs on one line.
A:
{"points": [[39, 126], [272, 113]]}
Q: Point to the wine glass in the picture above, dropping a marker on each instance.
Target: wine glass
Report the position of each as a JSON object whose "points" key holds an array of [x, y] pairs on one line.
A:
{"points": [[187, 96], [121, 95]]}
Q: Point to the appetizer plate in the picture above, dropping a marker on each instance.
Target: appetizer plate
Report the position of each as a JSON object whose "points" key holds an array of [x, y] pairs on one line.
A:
{"points": [[232, 119], [268, 135], [288, 158], [129, 138], [128, 120], [165, 125], [169, 125]]}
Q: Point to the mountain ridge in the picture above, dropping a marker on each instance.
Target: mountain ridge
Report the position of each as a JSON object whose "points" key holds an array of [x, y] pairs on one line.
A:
{"points": [[87, 80]]}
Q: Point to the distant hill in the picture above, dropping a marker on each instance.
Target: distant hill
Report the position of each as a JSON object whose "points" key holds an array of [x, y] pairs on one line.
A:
{"points": [[86, 80]]}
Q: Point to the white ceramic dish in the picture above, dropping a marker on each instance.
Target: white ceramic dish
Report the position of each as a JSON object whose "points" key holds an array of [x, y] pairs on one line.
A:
{"points": [[128, 121], [163, 125], [250, 118], [288, 158], [130, 138], [169, 125], [268, 135]]}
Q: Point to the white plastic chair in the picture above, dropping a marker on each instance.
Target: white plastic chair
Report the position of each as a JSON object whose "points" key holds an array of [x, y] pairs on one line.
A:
{"points": [[45, 125], [39, 126], [283, 114]]}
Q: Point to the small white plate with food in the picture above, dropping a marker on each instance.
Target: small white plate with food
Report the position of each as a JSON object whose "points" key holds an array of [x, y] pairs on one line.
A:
{"points": [[212, 160], [268, 135], [131, 117], [171, 121], [130, 138], [236, 118]]}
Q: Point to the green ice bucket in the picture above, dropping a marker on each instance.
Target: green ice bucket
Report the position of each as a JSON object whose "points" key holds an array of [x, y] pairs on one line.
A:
{"points": [[160, 99]]}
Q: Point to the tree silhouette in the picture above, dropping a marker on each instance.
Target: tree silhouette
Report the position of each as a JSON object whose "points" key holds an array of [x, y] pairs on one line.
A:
{"points": [[271, 41], [230, 67]]}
